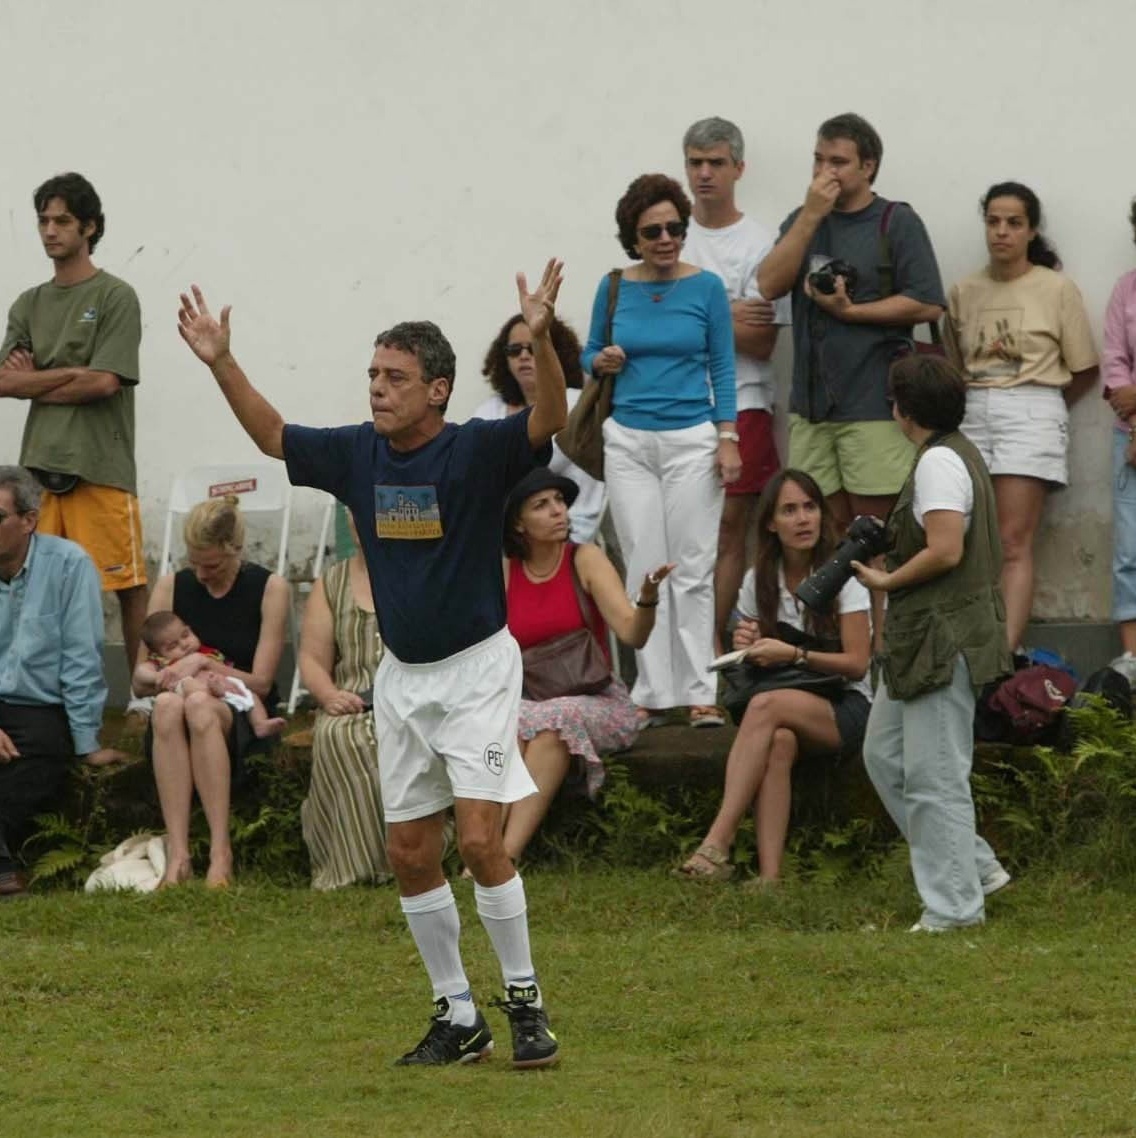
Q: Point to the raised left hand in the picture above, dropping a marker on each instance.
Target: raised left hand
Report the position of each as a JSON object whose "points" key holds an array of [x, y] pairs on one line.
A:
{"points": [[539, 307], [649, 590]]}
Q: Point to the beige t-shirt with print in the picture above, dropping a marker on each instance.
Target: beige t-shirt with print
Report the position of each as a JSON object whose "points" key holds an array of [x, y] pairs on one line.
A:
{"points": [[1033, 329]]}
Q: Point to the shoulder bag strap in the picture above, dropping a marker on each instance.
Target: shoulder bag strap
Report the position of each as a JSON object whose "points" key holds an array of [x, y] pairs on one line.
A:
{"points": [[613, 279]]}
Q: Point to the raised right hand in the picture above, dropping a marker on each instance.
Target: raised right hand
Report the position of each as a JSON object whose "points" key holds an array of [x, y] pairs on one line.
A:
{"points": [[609, 360], [207, 339], [822, 194]]}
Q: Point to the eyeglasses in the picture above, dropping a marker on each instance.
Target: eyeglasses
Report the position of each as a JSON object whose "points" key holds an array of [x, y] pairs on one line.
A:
{"points": [[654, 232], [515, 350]]}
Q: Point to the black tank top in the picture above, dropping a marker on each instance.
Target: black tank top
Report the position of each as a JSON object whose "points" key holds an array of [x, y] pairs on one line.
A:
{"points": [[231, 623]]}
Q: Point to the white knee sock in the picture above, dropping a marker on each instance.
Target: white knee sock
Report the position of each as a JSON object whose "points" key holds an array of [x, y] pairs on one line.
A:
{"points": [[436, 928], [504, 914]]}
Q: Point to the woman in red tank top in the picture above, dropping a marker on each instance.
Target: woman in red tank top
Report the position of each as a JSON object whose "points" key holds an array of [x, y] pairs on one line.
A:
{"points": [[547, 580]]}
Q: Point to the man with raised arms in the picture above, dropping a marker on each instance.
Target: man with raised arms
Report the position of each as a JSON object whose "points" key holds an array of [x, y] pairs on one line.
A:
{"points": [[428, 497]]}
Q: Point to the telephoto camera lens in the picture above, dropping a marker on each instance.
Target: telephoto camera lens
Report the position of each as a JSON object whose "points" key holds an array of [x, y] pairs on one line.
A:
{"points": [[865, 538]]}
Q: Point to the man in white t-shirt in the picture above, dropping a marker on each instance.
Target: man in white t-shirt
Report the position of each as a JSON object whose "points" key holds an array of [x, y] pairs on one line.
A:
{"points": [[725, 241]]}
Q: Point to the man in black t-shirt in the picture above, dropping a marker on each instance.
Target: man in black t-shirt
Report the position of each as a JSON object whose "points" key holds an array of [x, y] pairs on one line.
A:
{"points": [[428, 498]]}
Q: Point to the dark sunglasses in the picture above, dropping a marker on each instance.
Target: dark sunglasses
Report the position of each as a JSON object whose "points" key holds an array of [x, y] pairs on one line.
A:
{"points": [[515, 350], [654, 232]]}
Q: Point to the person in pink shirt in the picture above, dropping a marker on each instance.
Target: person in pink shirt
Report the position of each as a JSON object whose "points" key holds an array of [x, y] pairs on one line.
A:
{"points": [[1119, 367]]}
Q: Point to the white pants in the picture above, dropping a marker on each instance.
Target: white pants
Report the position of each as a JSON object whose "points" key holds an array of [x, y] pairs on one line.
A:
{"points": [[666, 503]]}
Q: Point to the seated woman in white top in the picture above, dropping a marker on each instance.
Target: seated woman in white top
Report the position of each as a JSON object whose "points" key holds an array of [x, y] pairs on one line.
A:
{"points": [[511, 371], [794, 536]]}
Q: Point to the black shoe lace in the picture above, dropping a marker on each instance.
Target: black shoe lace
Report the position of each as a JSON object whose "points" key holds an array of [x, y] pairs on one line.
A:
{"points": [[440, 1042], [526, 1020]]}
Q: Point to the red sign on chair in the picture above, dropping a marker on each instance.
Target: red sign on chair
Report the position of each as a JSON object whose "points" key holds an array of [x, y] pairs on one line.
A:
{"points": [[243, 486]]}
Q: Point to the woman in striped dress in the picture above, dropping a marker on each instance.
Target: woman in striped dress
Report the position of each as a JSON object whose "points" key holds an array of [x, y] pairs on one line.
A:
{"points": [[339, 651]]}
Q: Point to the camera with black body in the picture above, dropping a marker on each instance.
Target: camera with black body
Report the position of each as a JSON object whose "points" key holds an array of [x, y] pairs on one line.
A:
{"points": [[824, 278], [866, 537]]}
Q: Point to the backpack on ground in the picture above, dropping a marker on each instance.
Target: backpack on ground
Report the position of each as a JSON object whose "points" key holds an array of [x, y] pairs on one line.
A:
{"points": [[1112, 687], [1025, 708]]}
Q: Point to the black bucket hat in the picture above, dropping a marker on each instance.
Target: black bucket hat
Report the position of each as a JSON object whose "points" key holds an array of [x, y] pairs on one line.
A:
{"points": [[533, 483]]}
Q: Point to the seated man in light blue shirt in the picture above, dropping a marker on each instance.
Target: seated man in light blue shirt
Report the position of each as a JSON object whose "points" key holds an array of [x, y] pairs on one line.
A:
{"points": [[52, 688]]}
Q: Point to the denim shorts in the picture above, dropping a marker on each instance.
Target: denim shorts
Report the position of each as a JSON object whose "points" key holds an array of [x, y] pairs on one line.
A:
{"points": [[1123, 531]]}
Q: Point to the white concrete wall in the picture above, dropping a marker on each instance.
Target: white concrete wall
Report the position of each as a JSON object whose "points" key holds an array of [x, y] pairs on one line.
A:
{"points": [[329, 168]]}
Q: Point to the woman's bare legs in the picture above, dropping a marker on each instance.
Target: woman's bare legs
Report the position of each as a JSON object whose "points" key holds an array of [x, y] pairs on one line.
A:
{"points": [[1020, 502], [174, 779], [208, 720], [811, 721], [548, 761], [774, 801]]}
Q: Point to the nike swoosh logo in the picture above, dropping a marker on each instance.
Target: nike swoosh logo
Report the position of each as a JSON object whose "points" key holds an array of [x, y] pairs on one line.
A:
{"points": [[477, 1039]]}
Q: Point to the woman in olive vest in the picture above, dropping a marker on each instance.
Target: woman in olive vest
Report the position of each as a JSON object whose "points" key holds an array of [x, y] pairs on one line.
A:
{"points": [[944, 637]]}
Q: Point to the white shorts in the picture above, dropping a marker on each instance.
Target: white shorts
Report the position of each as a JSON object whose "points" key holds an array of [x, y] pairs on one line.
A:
{"points": [[1020, 430], [448, 729]]}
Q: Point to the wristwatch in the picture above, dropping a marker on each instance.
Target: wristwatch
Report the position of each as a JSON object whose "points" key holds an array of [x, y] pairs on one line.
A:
{"points": [[729, 437]]}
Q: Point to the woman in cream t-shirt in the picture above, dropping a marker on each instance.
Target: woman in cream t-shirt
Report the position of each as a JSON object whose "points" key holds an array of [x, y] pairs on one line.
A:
{"points": [[1019, 331]]}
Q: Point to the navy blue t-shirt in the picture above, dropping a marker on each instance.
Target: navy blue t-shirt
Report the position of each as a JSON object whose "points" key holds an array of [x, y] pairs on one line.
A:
{"points": [[429, 520]]}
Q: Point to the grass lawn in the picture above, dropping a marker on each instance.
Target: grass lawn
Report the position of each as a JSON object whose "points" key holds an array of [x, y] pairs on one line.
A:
{"points": [[682, 1009]]}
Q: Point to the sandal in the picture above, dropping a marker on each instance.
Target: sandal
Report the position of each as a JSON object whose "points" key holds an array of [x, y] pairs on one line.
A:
{"points": [[706, 717], [707, 863], [646, 717]]}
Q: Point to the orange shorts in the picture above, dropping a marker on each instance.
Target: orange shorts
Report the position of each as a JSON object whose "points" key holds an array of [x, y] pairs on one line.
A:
{"points": [[107, 523]]}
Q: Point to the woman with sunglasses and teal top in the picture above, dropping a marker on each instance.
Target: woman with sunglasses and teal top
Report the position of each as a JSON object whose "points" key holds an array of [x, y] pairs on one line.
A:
{"points": [[671, 442], [511, 370]]}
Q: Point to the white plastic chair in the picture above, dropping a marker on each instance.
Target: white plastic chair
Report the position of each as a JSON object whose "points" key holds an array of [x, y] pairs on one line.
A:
{"points": [[262, 488], [305, 587], [264, 492]]}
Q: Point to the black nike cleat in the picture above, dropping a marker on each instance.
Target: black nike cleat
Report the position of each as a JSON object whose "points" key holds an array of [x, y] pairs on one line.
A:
{"points": [[534, 1045], [448, 1042]]}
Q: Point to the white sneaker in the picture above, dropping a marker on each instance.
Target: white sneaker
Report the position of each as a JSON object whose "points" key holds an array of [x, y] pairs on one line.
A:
{"points": [[996, 880], [920, 927]]}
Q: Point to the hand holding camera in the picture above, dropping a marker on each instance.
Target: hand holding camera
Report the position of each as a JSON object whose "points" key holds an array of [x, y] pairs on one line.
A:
{"points": [[866, 537]]}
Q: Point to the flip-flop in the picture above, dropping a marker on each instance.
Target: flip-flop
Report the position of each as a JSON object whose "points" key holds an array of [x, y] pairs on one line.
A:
{"points": [[645, 718]]}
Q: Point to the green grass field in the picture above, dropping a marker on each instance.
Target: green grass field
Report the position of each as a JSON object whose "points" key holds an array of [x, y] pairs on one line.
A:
{"points": [[682, 1010]]}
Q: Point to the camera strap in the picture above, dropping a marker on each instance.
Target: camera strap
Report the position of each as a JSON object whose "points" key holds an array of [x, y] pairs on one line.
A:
{"points": [[886, 272]]}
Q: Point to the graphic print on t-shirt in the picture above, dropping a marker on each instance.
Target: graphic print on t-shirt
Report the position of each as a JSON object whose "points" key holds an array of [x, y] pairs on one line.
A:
{"points": [[997, 352], [407, 513]]}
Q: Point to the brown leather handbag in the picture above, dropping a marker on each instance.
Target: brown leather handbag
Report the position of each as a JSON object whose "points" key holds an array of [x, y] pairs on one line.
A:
{"points": [[581, 441], [570, 664]]}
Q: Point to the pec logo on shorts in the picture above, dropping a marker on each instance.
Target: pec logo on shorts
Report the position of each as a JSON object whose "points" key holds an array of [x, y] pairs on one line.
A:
{"points": [[495, 759]]}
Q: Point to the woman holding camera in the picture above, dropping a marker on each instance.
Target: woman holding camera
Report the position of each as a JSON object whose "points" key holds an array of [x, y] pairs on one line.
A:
{"points": [[944, 638], [671, 442], [795, 536], [342, 816], [1019, 331]]}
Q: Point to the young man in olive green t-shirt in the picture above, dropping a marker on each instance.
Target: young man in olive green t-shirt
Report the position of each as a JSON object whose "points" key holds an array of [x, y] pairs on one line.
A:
{"points": [[71, 350]]}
